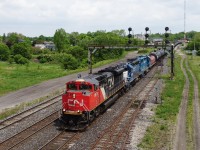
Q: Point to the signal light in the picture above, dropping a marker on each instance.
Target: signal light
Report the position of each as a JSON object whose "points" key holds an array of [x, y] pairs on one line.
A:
{"points": [[129, 41], [146, 41], [167, 42], [166, 35], [129, 29], [129, 35], [166, 28], [146, 35], [147, 29]]}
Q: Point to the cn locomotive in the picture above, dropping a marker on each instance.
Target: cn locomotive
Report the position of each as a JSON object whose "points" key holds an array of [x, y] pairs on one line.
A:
{"points": [[87, 97]]}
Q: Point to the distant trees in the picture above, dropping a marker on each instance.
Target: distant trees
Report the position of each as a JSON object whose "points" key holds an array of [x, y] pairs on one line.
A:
{"points": [[78, 52], [61, 40], [70, 62], [194, 42], [23, 49], [4, 52], [72, 48]]}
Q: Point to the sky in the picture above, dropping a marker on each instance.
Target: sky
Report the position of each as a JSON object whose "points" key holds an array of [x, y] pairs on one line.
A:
{"points": [[44, 17]]}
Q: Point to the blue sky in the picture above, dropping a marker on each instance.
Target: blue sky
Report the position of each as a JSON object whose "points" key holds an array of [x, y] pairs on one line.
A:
{"points": [[43, 17]]}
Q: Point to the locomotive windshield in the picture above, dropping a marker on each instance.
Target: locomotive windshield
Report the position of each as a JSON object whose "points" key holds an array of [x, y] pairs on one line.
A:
{"points": [[72, 86], [85, 87]]}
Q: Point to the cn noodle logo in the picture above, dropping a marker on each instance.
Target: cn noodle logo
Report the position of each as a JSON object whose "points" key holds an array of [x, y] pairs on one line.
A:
{"points": [[72, 102]]}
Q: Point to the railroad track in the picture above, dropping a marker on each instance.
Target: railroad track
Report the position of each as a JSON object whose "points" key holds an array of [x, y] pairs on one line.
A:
{"points": [[23, 136], [63, 140], [115, 136], [24, 114]]}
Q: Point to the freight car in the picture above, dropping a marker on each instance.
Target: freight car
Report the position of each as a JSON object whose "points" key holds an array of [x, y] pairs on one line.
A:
{"points": [[87, 97]]}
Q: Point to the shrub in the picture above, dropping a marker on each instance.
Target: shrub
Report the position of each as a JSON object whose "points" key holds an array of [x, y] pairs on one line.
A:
{"points": [[198, 52], [45, 58], [4, 52], [11, 60], [23, 49], [19, 59], [38, 51], [69, 62]]}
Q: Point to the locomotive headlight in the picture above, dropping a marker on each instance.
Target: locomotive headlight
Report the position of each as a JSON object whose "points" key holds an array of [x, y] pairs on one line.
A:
{"points": [[63, 109], [78, 111], [74, 95]]}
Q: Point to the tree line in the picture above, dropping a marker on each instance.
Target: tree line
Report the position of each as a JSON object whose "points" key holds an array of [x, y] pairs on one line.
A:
{"points": [[72, 48]]}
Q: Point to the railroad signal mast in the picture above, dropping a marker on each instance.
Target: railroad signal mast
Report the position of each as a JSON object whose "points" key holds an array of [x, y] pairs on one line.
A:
{"points": [[146, 36], [171, 50], [129, 35], [166, 37]]}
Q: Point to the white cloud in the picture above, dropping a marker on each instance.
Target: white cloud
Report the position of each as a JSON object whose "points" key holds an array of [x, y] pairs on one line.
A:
{"points": [[33, 18]]}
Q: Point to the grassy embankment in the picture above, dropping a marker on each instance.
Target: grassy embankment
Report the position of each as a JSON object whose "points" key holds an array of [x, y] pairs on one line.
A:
{"points": [[159, 134], [194, 65], [14, 77], [189, 119]]}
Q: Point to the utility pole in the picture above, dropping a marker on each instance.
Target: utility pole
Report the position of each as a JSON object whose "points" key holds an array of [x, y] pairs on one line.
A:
{"points": [[184, 19], [172, 61]]}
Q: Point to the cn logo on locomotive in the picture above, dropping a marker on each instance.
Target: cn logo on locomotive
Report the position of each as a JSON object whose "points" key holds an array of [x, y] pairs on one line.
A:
{"points": [[72, 102]]}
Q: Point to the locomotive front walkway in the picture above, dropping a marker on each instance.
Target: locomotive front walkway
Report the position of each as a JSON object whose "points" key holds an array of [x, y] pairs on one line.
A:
{"points": [[45, 88]]}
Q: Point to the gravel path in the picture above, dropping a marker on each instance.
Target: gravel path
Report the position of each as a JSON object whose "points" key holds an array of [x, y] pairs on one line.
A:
{"points": [[45, 88], [180, 140]]}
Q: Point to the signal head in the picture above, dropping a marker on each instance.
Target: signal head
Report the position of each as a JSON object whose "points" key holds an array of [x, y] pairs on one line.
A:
{"points": [[147, 29], [129, 35], [146, 35], [166, 28]]}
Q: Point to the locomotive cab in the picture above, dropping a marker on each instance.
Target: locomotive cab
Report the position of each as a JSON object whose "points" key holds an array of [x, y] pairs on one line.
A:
{"points": [[80, 96], [80, 99]]}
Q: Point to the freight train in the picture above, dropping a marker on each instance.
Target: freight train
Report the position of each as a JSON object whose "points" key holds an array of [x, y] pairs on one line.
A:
{"points": [[87, 97]]}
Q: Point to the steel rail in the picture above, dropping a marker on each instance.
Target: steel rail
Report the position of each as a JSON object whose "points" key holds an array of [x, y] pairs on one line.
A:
{"points": [[24, 114], [25, 134]]}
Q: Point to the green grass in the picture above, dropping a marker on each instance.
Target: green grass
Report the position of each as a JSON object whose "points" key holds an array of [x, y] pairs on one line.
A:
{"points": [[189, 117], [194, 65], [158, 135], [14, 77]]}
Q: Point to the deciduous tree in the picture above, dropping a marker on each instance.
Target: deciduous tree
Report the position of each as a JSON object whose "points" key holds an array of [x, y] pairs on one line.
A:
{"points": [[61, 39]]}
